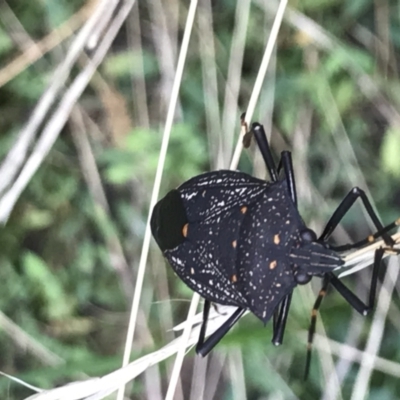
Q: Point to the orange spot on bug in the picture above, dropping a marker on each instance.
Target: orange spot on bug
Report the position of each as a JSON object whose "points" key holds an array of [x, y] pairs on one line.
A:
{"points": [[370, 238], [397, 221], [277, 239], [243, 210], [234, 244], [185, 230], [273, 264], [234, 278]]}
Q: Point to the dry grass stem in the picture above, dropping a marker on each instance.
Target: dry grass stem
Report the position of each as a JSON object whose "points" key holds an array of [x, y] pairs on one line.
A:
{"points": [[156, 186]]}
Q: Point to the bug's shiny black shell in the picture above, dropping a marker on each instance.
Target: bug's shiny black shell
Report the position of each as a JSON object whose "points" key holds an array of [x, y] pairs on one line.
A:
{"points": [[167, 221], [243, 242]]}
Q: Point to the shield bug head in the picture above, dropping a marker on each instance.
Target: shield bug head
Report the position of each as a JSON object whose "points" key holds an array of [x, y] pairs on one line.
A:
{"points": [[168, 221]]}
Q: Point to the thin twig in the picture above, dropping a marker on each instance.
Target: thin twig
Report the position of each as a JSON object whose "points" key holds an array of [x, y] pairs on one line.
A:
{"points": [[93, 181], [368, 361], [210, 85], [27, 343], [182, 349], [55, 123], [17, 155], [37, 50], [235, 364], [99, 388], [199, 378], [139, 91], [260, 76], [166, 54], [156, 187], [323, 39], [355, 355], [233, 80]]}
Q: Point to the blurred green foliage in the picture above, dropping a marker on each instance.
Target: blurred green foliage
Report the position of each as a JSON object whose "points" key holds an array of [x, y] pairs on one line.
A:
{"points": [[62, 264]]}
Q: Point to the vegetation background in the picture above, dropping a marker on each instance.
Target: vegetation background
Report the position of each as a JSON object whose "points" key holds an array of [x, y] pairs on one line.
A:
{"points": [[71, 246]]}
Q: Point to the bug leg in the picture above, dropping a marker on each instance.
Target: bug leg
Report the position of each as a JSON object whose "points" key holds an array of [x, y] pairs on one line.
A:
{"points": [[280, 320], [287, 165], [344, 207], [206, 312], [313, 323], [350, 297], [367, 240], [261, 138], [285, 162], [204, 348]]}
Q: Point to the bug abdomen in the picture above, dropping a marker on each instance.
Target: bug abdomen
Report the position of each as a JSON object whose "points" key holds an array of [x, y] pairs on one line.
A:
{"points": [[264, 272]]}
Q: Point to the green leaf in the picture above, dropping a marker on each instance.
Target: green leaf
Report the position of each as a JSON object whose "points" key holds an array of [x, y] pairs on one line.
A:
{"points": [[119, 174], [313, 5], [130, 63], [345, 94], [355, 8], [45, 285], [35, 219], [5, 42]]}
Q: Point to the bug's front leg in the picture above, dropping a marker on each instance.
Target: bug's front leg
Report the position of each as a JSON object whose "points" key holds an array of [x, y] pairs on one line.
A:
{"points": [[280, 318], [285, 162], [343, 209]]}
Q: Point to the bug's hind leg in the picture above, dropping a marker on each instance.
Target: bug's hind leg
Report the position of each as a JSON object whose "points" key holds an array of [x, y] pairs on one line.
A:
{"points": [[313, 323], [280, 318], [204, 347], [345, 206], [348, 295]]}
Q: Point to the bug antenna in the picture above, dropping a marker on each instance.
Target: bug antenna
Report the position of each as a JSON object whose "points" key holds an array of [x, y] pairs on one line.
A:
{"points": [[313, 324]]}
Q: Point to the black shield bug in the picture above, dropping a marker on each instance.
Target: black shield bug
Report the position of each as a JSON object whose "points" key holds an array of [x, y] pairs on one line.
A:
{"points": [[240, 241]]}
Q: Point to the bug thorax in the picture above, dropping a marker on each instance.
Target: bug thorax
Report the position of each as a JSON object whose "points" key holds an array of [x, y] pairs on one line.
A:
{"points": [[312, 258]]}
